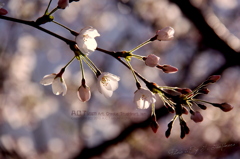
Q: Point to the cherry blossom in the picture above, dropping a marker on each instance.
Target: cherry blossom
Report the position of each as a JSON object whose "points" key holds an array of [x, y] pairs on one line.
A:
{"points": [[86, 41], [84, 93], [58, 84], [143, 98], [107, 83], [63, 4]]}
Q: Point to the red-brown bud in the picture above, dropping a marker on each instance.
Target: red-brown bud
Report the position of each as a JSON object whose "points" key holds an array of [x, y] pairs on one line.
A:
{"points": [[212, 79], [167, 68], [197, 117], [223, 106], [154, 124]]}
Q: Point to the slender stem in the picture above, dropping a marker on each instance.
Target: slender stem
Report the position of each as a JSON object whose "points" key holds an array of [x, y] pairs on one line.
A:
{"points": [[90, 62], [199, 100], [139, 46], [153, 109], [137, 56], [81, 66], [90, 66], [133, 72], [54, 10], [71, 31], [69, 62], [47, 7]]}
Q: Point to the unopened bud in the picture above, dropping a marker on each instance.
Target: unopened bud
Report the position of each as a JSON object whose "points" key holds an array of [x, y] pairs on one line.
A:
{"points": [[151, 60], [197, 117], [212, 79], [62, 4], [165, 34], [224, 106], [2, 10], [202, 106], [84, 93], [204, 90], [184, 110], [154, 124], [167, 68], [183, 90]]}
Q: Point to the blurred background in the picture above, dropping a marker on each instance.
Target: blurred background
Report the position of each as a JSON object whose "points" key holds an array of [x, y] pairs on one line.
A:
{"points": [[36, 124]]}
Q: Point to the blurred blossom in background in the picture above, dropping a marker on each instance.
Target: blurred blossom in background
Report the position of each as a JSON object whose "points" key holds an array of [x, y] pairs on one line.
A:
{"points": [[37, 124]]}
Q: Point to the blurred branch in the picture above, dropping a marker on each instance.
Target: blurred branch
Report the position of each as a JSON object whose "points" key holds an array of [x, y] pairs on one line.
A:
{"points": [[209, 37], [98, 150]]}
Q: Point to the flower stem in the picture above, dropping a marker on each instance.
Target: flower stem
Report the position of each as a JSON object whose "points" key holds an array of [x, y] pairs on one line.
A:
{"points": [[199, 100], [71, 31], [91, 63], [69, 62], [139, 46], [134, 75], [54, 10], [81, 66], [47, 7], [137, 56]]}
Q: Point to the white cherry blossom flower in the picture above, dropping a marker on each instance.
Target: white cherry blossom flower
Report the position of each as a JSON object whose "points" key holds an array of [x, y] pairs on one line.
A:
{"points": [[107, 83], [84, 93], [86, 41], [143, 98], [57, 82], [152, 60], [63, 4], [165, 34]]}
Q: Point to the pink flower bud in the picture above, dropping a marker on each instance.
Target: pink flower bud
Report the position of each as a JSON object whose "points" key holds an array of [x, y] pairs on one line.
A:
{"points": [[84, 93], [168, 68], [197, 117], [152, 60], [63, 4], [165, 34]]}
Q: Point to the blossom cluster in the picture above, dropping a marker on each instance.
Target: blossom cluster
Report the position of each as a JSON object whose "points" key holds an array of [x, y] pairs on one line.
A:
{"points": [[176, 100]]}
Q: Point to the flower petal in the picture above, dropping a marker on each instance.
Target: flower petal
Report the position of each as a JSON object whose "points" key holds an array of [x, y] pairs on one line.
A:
{"points": [[59, 86], [48, 79]]}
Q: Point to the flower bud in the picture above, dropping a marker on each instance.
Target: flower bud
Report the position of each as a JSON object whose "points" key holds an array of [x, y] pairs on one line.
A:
{"points": [[184, 110], [183, 90], [224, 106], [154, 124], [197, 117], [2, 10], [212, 79], [62, 4], [165, 34], [167, 68], [202, 106], [84, 93], [152, 60], [204, 90]]}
